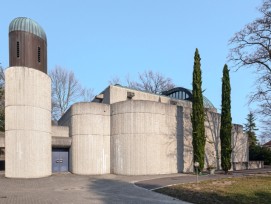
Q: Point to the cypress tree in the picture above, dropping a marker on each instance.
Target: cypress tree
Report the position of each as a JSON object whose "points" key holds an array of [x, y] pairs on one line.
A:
{"points": [[226, 125], [198, 114], [2, 99]]}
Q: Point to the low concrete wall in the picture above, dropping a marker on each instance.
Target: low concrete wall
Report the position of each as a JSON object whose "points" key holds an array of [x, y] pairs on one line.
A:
{"points": [[27, 123], [61, 142], [90, 132], [239, 166], [144, 137], [255, 164], [247, 165], [60, 131]]}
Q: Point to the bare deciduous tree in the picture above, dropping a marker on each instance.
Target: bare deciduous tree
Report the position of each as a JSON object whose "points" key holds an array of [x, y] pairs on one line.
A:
{"points": [[66, 89], [251, 48], [153, 82], [114, 80], [87, 94]]}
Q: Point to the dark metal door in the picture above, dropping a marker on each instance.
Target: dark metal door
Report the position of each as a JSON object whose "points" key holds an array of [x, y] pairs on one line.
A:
{"points": [[60, 160]]}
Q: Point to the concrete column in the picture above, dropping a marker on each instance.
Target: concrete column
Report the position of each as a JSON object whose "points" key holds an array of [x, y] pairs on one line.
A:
{"points": [[144, 138], [90, 131], [28, 123]]}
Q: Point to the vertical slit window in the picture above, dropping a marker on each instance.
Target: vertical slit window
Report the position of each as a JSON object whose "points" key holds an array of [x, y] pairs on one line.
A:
{"points": [[39, 54], [18, 49]]}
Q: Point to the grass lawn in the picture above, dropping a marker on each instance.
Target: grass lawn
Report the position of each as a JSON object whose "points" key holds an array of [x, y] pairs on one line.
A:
{"points": [[251, 189]]}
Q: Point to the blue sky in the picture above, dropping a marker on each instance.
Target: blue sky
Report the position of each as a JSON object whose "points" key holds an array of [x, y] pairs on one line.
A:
{"points": [[102, 39]]}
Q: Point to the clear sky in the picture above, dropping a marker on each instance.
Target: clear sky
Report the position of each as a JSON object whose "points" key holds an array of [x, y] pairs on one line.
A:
{"points": [[102, 39]]}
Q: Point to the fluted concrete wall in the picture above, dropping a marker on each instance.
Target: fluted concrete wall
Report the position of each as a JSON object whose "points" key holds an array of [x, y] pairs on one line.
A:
{"points": [[212, 145], [28, 123], [188, 163], [240, 152], [90, 131], [144, 137]]}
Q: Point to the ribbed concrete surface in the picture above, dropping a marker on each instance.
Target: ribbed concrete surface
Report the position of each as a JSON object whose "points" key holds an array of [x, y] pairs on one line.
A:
{"points": [[28, 123], [212, 145], [240, 152], [144, 138], [90, 131]]}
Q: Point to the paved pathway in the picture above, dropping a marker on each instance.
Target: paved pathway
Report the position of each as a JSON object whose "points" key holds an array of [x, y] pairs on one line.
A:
{"points": [[70, 188], [108, 189]]}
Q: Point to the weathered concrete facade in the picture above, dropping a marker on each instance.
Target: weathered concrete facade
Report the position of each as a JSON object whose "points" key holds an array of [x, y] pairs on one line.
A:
{"points": [[27, 123], [179, 129], [141, 135], [90, 132], [144, 136]]}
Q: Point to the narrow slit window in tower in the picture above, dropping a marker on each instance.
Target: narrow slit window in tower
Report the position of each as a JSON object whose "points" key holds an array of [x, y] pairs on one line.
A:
{"points": [[39, 54], [18, 49]]}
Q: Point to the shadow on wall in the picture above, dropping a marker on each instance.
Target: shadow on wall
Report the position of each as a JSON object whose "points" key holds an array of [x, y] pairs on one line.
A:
{"points": [[212, 145], [180, 134], [187, 139], [175, 137], [239, 144], [173, 134], [180, 138]]}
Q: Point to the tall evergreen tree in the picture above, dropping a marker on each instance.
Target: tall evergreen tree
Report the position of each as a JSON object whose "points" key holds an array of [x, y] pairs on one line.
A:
{"points": [[226, 125], [250, 128], [2, 99], [2, 109], [198, 114]]}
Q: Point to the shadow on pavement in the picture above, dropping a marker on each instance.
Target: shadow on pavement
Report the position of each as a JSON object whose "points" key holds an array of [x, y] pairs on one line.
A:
{"points": [[116, 191]]}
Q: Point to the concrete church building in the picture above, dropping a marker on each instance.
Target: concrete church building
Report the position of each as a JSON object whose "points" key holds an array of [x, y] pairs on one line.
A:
{"points": [[123, 131]]}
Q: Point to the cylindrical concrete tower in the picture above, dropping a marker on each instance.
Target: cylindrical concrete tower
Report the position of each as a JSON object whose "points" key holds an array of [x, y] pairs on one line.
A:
{"points": [[144, 138], [27, 103], [90, 131]]}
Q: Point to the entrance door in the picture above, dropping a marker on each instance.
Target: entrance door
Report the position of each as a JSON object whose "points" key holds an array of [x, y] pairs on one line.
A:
{"points": [[60, 160]]}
